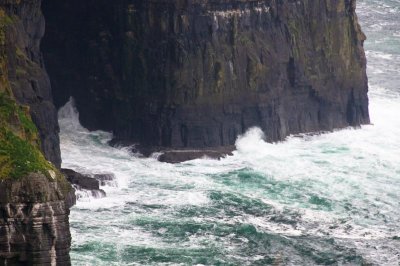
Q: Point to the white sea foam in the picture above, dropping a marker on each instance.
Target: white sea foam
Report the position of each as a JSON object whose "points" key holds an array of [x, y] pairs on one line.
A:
{"points": [[343, 185], [357, 167]]}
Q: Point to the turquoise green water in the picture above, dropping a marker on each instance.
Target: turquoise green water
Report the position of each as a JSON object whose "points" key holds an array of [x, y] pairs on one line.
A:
{"points": [[332, 199]]}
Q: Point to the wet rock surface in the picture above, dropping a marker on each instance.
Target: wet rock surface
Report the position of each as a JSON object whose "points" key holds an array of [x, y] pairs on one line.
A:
{"points": [[178, 156], [83, 182]]}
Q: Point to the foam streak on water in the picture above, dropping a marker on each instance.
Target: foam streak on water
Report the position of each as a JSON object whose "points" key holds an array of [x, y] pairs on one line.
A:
{"points": [[311, 200]]}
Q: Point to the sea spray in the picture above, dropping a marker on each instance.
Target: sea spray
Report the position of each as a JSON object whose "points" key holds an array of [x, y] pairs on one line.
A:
{"points": [[289, 199], [310, 200]]}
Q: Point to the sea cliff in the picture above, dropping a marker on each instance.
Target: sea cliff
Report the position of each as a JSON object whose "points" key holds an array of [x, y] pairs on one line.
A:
{"points": [[196, 74], [182, 74], [34, 196]]}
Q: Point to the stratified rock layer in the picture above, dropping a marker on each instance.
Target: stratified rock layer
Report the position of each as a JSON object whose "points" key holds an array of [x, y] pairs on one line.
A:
{"points": [[198, 73], [34, 226]]}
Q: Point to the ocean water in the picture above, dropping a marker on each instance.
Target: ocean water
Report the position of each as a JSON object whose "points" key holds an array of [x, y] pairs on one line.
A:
{"points": [[331, 199]]}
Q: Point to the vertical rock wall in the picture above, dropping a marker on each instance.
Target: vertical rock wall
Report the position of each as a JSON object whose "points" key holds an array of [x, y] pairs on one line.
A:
{"points": [[198, 73], [34, 226], [34, 196], [27, 75]]}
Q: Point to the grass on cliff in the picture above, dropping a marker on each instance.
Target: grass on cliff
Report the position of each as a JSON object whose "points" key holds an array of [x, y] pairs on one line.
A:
{"points": [[19, 141], [19, 158], [19, 152]]}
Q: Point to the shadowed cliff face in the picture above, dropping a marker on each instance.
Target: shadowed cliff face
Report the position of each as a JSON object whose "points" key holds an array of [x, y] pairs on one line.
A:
{"points": [[198, 73], [27, 75]]}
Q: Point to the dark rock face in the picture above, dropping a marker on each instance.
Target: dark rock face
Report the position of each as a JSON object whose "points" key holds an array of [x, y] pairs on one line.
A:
{"points": [[34, 226], [197, 73], [182, 155], [27, 75], [84, 182]]}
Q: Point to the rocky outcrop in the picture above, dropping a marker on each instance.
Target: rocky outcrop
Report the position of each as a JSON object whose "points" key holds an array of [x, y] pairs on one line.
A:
{"points": [[182, 155], [83, 181], [87, 184], [34, 226], [195, 74], [27, 75], [34, 196]]}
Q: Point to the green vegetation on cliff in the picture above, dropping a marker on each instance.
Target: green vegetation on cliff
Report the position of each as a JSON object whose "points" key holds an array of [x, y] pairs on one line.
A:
{"points": [[19, 152], [19, 141]]}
